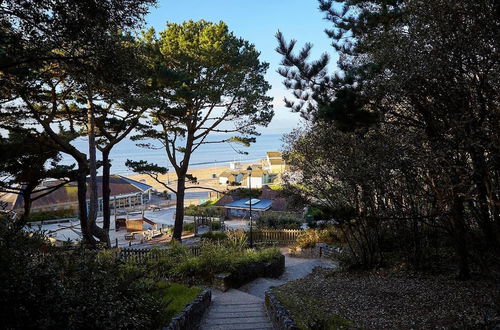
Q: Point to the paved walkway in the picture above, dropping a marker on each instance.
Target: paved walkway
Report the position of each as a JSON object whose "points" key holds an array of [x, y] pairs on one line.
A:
{"points": [[244, 308]]}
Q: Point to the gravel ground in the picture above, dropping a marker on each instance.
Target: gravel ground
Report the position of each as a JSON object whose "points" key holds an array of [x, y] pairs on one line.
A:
{"points": [[383, 300]]}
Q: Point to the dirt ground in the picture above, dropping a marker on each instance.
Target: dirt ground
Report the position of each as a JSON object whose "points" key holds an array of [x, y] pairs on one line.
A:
{"points": [[377, 300]]}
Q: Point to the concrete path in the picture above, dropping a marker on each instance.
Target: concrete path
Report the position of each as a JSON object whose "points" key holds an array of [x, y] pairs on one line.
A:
{"points": [[244, 308]]}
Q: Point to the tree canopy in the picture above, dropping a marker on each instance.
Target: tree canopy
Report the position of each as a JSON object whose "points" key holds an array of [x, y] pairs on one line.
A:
{"points": [[207, 80]]}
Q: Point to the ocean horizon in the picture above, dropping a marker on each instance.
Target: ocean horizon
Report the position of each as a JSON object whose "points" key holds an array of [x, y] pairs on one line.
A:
{"points": [[208, 155]]}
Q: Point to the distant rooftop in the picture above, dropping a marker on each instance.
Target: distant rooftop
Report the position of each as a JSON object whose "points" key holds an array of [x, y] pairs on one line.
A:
{"points": [[274, 154]]}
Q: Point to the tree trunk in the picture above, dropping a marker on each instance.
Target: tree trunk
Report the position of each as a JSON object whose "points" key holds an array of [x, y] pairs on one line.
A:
{"points": [[87, 237], [100, 233], [27, 201], [179, 206], [106, 192], [460, 232], [92, 163]]}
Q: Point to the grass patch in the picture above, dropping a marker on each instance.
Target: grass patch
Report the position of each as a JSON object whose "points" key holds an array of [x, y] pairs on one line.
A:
{"points": [[175, 297]]}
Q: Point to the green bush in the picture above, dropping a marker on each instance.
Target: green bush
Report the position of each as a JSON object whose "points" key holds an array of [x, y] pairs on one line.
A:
{"points": [[216, 225], [214, 258], [174, 297], [310, 237], [188, 226], [207, 210], [214, 236], [53, 288], [236, 239], [278, 220], [50, 215]]}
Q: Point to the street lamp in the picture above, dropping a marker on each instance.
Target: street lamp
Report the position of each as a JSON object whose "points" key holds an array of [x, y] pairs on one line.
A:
{"points": [[249, 170]]}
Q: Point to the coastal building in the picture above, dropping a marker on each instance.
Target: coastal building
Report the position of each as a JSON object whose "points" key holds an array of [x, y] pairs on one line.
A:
{"points": [[269, 171], [125, 193], [274, 162]]}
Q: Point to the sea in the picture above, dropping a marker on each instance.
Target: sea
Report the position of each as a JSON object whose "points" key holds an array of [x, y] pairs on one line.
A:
{"points": [[207, 155]]}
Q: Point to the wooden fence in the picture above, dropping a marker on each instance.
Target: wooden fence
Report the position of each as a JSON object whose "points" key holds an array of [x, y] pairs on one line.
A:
{"points": [[144, 255], [278, 236]]}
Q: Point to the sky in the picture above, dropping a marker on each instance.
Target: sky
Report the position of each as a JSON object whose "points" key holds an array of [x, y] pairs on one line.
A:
{"points": [[257, 21]]}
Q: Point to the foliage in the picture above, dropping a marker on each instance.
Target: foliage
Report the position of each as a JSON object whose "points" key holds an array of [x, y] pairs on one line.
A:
{"points": [[50, 287], [236, 239], [215, 258], [203, 76], [278, 220], [49, 215], [214, 236], [248, 193], [402, 143], [216, 225], [188, 227], [204, 210], [275, 186], [82, 54], [310, 237], [175, 297], [29, 158]]}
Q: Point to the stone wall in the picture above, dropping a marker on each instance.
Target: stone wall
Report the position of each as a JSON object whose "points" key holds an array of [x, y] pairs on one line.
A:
{"points": [[192, 314], [279, 315]]}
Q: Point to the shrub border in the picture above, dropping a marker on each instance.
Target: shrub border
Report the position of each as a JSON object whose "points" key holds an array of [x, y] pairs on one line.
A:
{"points": [[192, 314], [279, 315]]}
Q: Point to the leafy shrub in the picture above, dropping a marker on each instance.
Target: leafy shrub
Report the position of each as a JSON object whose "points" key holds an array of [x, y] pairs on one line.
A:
{"points": [[174, 297], [216, 225], [310, 237], [278, 220], [214, 236], [214, 258], [236, 239], [204, 210], [46, 287], [50, 215], [188, 227], [248, 193]]}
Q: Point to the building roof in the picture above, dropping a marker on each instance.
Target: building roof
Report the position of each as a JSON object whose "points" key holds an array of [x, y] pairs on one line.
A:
{"points": [[119, 185], [274, 154], [226, 174], [261, 205]]}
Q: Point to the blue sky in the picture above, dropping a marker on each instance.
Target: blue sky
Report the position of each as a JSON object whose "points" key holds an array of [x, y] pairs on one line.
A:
{"points": [[257, 21]]}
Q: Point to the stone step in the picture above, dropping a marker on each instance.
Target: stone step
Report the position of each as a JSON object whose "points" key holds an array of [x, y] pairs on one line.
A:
{"points": [[253, 326], [217, 314], [237, 309], [240, 320]]}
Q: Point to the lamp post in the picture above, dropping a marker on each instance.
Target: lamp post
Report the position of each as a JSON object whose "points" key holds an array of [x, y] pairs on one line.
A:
{"points": [[249, 169]]}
